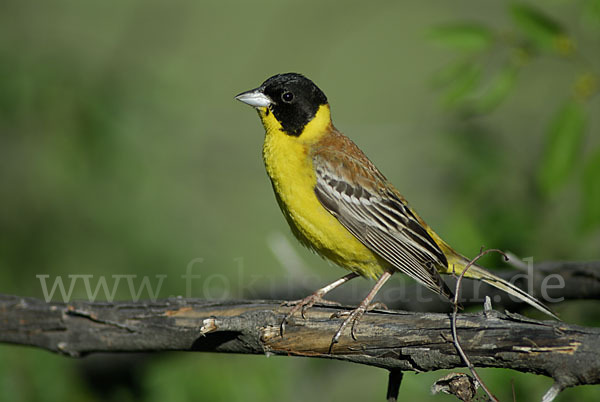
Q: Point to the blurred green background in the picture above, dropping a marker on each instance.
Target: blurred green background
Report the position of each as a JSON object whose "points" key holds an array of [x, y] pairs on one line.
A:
{"points": [[123, 152]]}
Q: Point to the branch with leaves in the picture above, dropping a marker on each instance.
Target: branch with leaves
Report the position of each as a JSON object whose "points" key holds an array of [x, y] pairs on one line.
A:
{"points": [[490, 62]]}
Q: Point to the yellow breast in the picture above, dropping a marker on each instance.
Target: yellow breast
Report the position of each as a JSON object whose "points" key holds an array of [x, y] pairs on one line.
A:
{"points": [[289, 165]]}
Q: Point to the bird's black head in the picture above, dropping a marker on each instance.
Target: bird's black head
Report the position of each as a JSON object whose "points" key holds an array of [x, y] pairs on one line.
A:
{"points": [[292, 98]]}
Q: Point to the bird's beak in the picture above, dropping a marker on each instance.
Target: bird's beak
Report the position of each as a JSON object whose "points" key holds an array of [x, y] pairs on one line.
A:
{"points": [[255, 98]]}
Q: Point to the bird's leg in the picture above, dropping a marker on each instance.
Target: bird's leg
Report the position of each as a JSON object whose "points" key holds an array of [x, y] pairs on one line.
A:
{"points": [[309, 301], [357, 313]]}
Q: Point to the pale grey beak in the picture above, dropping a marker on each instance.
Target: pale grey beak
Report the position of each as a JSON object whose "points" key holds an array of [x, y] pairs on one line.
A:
{"points": [[254, 98]]}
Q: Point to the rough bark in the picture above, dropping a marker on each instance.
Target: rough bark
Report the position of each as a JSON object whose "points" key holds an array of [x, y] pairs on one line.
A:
{"points": [[394, 340]]}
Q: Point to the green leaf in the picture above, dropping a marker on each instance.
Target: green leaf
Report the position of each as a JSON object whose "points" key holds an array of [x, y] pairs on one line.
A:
{"points": [[591, 13], [591, 192], [469, 37], [463, 85], [563, 146], [449, 73], [499, 87], [540, 29]]}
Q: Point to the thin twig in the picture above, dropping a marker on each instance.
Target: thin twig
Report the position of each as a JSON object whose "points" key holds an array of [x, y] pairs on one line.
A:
{"points": [[516, 262], [459, 348]]}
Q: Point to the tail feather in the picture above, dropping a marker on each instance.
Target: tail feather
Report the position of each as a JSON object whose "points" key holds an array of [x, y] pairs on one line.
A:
{"points": [[457, 263], [477, 272]]}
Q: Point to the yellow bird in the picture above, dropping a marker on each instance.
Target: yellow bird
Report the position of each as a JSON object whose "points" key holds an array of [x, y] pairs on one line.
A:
{"points": [[338, 204]]}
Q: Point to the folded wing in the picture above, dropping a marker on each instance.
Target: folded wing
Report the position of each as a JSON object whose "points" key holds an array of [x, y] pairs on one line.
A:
{"points": [[357, 194]]}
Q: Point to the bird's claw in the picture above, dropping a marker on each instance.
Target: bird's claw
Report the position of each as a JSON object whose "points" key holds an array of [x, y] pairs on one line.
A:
{"points": [[378, 306], [372, 306], [355, 317], [303, 305], [352, 318], [340, 314]]}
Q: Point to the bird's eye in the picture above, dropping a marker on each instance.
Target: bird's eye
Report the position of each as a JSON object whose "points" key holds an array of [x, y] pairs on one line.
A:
{"points": [[287, 97]]}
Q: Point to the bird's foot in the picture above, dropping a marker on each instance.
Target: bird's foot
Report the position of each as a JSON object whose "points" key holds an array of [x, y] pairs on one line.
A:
{"points": [[372, 306], [355, 315], [352, 318], [377, 306], [303, 305]]}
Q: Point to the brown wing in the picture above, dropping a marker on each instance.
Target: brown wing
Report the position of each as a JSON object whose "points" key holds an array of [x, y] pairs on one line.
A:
{"points": [[351, 188]]}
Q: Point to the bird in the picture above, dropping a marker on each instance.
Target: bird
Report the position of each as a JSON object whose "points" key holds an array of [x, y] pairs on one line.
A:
{"points": [[338, 204]]}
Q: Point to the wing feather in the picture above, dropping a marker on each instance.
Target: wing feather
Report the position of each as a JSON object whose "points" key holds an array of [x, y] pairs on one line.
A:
{"points": [[360, 198]]}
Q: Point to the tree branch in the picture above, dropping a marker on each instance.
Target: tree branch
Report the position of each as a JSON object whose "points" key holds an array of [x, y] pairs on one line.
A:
{"points": [[394, 340]]}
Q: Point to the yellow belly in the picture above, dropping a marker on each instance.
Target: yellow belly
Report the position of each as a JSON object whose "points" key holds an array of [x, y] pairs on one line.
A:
{"points": [[290, 168]]}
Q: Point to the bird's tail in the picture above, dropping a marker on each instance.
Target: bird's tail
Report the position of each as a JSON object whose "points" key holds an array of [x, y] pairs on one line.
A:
{"points": [[458, 263], [480, 273]]}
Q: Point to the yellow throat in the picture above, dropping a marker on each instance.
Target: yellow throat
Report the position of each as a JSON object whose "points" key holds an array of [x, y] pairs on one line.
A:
{"points": [[289, 164], [313, 131]]}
